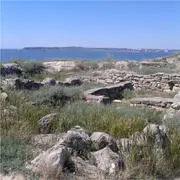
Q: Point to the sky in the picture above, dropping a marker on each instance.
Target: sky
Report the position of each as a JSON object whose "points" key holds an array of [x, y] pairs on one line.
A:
{"points": [[112, 24]]}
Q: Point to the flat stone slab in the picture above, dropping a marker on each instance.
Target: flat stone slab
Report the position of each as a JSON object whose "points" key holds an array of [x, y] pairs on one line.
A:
{"points": [[108, 93], [154, 101]]}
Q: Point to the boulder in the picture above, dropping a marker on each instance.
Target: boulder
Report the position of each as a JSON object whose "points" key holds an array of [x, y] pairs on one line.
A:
{"points": [[8, 83], [158, 134], [78, 141], [22, 84], [10, 69], [50, 163], [72, 81], [44, 123], [172, 114], [107, 160], [3, 96], [176, 105], [45, 141], [151, 129], [108, 93], [49, 81], [86, 170], [177, 97], [100, 140]]}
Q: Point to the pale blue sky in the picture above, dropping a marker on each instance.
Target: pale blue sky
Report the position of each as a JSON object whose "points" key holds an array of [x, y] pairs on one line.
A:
{"points": [[90, 24]]}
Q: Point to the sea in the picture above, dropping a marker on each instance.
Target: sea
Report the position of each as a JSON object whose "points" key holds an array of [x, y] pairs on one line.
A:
{"points": [[54, 54]]}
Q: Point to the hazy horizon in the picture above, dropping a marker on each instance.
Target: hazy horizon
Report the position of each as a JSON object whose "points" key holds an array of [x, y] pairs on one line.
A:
{"points": [[133, 25], [89, 47]]}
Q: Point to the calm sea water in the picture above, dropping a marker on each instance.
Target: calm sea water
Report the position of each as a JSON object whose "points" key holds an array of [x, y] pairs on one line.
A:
{"points": [[37, 54]]}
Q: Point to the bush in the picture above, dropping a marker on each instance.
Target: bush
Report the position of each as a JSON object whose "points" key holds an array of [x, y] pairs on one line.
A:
{"points": [[31, 68], [128, 94], [56, 95], [134, 66], [87, 65]]}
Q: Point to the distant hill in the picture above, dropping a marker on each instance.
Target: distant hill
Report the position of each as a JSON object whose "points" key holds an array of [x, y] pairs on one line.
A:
{"points": [[100, 49]]}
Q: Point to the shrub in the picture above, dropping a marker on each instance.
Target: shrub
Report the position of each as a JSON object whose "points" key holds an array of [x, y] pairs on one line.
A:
{"points": [[56, 95], [87, 65], [11, 70], [31, 68], [134, 66], [108, 65], [128, 94]]}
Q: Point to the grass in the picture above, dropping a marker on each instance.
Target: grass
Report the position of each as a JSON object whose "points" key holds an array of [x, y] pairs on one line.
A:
{"points": [[56, 95], [117, 122], [128, 94], [155, 93], [24, 119], [147, 70], [57, 76], [14, 154], [120, 121], [141, 159]]}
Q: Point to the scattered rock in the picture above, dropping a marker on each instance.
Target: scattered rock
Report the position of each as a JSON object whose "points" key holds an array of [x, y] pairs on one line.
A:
{"points": [[72, 82], [85, 170], [3, 97], [100, 140], [21, 84], [50, 163], [155, 101], [44, 123], [158, 134], [177, 97], [107, 160], [176, 105], [172, 114], [46, 140], [10, 69], [8, 83], [49, 81], [78, 141]]}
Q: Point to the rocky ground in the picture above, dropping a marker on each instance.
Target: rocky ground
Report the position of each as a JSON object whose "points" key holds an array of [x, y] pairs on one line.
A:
{"points": [[91, 120]]}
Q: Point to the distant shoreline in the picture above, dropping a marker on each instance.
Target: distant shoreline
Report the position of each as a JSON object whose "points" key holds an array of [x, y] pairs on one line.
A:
{"points": [[41, 53], [96, 49]]}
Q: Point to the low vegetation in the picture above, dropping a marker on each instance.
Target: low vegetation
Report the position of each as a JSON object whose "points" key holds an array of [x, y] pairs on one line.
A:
{"points": [[14, 154], [56, 95], [31, 68], [118, 120]]}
